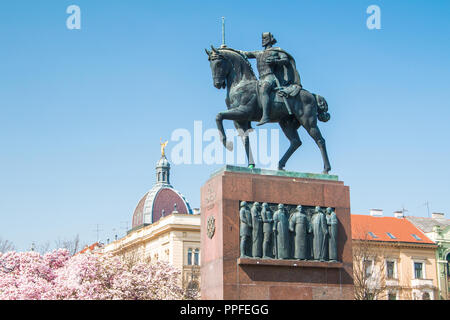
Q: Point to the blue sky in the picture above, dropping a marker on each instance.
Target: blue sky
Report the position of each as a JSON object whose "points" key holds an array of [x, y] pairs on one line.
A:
{"points": [[82, 111]]}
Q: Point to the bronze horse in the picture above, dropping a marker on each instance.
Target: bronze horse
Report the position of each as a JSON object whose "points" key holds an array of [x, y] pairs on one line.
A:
{"points": [[231, 70]]}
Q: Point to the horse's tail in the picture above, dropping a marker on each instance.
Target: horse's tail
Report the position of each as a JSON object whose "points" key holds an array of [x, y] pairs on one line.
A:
{"points": [[322, 108]]}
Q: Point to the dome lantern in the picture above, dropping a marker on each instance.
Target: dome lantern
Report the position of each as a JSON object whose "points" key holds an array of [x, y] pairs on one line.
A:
{"points": [[163, 171]]}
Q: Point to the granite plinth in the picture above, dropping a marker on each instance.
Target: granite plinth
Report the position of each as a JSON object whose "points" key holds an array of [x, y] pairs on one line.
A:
{"points": [[227, 276]]}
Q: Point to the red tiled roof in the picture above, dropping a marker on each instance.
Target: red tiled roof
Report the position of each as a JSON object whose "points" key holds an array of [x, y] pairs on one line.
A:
{"points": [[400, 228], [90, 248]]}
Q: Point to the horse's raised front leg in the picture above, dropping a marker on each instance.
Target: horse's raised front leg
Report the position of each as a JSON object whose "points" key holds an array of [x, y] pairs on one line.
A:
{"points": [[289, 128], [232, 114]]}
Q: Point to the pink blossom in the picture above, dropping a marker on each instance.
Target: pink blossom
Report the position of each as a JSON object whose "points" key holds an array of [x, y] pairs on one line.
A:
{"points": [[88, 276]]}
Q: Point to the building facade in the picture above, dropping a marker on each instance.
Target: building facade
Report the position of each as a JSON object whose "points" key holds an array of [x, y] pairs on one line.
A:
{"points": [[165, 228], [437, 228], [393, 259]]}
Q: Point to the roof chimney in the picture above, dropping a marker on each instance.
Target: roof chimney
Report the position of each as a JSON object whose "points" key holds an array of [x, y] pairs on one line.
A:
{"points": [[399, 214], [376, 212], [438, 215]]}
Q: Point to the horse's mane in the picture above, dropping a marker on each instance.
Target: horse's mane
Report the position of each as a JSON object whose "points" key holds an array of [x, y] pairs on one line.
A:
{"points": [[243, 57]]}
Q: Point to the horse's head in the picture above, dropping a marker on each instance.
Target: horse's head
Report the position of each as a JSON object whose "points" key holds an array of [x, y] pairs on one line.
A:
{"points": [[220, 67]]}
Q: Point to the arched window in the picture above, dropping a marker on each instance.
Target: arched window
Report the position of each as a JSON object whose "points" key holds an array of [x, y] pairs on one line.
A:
{"points": [[426, 296], [189, 256], [196, 256]]}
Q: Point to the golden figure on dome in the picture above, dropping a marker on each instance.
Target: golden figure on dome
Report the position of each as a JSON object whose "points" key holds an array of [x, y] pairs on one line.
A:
{"points": [[163, 146]]}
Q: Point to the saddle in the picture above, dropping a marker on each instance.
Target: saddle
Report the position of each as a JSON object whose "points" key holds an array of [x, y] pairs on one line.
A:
{"points": [[289, 91], [294, 89]]}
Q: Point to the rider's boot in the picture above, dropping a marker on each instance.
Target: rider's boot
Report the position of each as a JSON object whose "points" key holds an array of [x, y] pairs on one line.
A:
{"points": [[264, 120], [265, 106]]}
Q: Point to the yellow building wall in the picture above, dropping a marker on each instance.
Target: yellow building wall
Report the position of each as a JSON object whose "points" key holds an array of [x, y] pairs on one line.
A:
{"points": [[404, 282]]}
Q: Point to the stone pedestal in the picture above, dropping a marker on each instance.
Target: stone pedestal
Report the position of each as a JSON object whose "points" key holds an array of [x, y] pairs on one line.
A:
{"points": [[227, 276]]}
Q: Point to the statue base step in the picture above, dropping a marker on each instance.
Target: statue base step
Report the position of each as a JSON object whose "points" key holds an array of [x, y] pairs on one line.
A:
{"points": [[225, 275], [290, 263]]}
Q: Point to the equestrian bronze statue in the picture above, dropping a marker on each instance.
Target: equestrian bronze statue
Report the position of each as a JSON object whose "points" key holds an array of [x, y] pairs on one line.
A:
{"points": [[278, 96]]}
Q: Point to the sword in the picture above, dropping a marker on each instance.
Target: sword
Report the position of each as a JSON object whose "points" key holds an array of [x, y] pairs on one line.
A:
{"points": [[284, 98], [275, 247]]}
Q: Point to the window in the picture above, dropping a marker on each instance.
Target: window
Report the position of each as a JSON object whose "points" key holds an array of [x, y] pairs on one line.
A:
{"points": [[418, 270], [426, 296], [368, 268], [196, 257], [448, 266], [192, 285], [189, 256], [392, 296], [416, 237], [390, 269], [372, 235], [391, 235]]}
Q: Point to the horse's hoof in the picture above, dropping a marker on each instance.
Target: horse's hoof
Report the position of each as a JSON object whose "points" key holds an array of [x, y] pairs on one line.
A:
{"points": [[281, 168], [229, 145]]}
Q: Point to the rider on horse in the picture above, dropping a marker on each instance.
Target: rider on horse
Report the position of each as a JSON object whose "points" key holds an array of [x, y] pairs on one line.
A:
{"points": [[277, 71]]}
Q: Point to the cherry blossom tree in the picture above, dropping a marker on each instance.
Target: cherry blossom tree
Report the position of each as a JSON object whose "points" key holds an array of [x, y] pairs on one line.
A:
{"points": [[87, 276]]}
